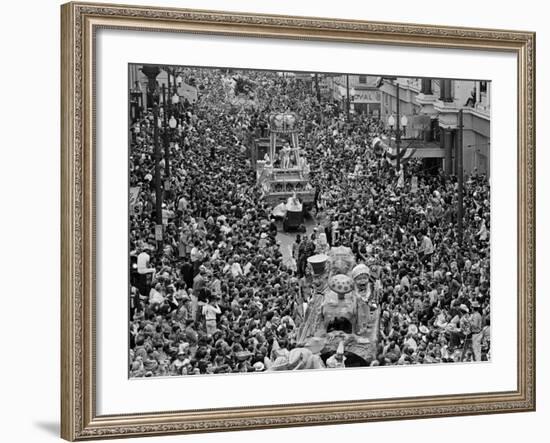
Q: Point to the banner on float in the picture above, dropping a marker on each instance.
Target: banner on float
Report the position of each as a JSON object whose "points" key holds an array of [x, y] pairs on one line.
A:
{"points": [[134, 195], [189, 92]]}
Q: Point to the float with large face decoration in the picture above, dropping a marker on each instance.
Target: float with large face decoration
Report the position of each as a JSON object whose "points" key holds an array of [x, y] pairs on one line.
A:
{"points": [[343, 312]]}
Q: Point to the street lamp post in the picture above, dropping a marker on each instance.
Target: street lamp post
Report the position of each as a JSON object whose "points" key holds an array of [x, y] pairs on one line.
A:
{"points": [[172, 123], [460, 172], [136, 101], [165, 126], [400, 127], [169, 107], [398, 132], [151, 72], [399, 119], [176, 123]]}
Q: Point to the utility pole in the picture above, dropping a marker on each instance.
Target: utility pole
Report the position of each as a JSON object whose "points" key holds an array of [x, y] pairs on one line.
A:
{"points": [[460, 173], [165, 133], [167, 107], [347, 95], [158, 188], [398, 131]]}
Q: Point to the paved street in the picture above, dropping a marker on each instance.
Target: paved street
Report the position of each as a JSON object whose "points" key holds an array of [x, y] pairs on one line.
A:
{"points": [[286, 239]]}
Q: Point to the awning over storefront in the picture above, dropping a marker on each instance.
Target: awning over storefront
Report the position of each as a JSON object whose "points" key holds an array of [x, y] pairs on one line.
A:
{"points": [[427, 150]]}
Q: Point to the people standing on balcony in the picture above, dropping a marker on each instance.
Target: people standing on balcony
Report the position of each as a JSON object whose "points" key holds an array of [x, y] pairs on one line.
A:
{"points": [[471, 102]]}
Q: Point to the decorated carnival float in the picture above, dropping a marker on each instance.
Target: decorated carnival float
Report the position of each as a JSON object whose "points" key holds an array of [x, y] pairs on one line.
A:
{"points": [[281, 169], [341, 323]]}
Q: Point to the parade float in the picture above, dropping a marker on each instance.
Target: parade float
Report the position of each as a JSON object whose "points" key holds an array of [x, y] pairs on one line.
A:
{"points": [[342, 316], [282, 171]]}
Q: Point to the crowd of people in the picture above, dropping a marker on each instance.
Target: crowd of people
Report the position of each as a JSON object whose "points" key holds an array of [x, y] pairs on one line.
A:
{"points": [[217, 295]]}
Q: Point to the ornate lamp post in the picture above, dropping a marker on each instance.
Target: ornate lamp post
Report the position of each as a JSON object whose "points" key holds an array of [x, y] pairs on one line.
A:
{"points": [[165, 111], [391, 122], [404, 122], [175, 99], [136, 101], [399, 130], [151, 72]]}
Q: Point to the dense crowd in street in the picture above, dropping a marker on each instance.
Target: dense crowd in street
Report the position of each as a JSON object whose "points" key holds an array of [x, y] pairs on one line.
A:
{"points": [[218, 295]]}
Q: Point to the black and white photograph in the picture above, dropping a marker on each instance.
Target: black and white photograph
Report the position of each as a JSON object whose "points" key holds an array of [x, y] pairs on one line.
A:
{"points": [[284, 221]]}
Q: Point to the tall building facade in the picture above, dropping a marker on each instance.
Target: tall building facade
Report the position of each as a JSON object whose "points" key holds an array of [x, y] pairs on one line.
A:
{"points": [[442, 99], [374, 98]]}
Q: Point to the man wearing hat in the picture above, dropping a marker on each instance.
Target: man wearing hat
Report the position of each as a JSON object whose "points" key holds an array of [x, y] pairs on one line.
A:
{"points": [[181, 361], [318, 266], [305, 250], [454, 326], [263, 240], [466, 330], [210, 310], [199, 283], [360, 275], [145, 270], [476, 322]]}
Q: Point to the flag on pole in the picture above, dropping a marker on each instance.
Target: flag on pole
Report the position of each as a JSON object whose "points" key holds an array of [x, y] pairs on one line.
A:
{"points": [[134, 195], [401, 179], [414, 184], [189, 92]]}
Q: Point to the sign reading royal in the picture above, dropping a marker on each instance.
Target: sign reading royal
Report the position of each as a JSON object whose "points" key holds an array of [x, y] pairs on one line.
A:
{"points": [[367, 96]]}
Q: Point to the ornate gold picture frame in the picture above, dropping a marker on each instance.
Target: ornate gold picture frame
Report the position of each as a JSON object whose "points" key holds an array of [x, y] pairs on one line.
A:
{"points": [[80, 21]]}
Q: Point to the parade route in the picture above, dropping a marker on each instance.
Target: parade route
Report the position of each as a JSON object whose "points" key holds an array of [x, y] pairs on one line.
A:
{"points": [[214, 284]]}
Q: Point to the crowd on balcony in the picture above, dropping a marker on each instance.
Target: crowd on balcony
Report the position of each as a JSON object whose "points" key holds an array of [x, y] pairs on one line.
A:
{"points": [[216, 294]]}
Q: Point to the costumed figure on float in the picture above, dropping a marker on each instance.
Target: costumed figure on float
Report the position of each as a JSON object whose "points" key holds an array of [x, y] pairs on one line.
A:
{"points": [[342, 310]]}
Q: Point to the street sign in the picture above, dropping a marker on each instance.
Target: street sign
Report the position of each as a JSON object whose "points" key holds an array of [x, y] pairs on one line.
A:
{"points": [[158, 232]]}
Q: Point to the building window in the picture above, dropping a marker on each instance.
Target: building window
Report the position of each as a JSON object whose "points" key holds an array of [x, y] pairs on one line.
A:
{"points": [[483, 87], [426, 86], [446, 90], [363, 79]]}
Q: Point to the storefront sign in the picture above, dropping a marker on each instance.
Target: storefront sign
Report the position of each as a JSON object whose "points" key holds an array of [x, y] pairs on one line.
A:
{"points": [[367, 96]]}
